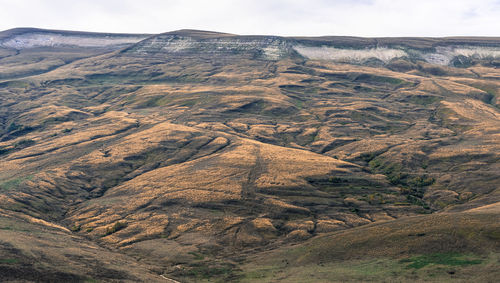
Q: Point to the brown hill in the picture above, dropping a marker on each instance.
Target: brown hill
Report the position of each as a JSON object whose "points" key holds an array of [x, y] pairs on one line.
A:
{"points": [[193, 150]]}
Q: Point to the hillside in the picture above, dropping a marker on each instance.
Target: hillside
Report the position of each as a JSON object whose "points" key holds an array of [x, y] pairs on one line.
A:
{"points": [[30, 51], [434, 248], [192, 153]]}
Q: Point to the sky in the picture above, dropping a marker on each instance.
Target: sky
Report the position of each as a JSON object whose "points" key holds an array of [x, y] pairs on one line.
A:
{"points": [[368, 18]]}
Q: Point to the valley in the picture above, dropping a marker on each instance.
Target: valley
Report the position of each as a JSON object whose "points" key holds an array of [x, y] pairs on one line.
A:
{"points": [[202, 156]]}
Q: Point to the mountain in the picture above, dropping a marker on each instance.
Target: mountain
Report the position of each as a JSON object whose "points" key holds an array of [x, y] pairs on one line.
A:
{"points": [[193, 155], [30, 51]]}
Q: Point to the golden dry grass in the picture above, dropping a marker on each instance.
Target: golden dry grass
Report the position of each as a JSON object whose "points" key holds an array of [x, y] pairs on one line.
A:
{"points": [[212, 156]]}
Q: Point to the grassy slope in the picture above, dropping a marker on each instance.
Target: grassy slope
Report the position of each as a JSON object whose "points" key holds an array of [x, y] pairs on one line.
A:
{"points": [[38, 251], [438, 248], [217, 159]]}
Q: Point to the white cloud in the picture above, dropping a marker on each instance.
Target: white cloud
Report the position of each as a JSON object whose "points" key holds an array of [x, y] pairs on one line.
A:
{"points": [[279, 17]]}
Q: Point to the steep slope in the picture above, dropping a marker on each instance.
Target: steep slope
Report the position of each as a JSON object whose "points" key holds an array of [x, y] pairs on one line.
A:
{"points": [[30, 51], [32, 250]]}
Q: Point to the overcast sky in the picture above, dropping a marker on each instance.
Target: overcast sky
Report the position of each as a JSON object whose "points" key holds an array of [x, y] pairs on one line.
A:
{"points": [[277, 17]]}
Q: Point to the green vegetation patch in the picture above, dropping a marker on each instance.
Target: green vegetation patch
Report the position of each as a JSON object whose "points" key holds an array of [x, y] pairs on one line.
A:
{"points": [[395, 173], [450, 259], [24, 143], [8, 260], [115, 228], [15, 84], [14, 183], [4, 150], [412, 185], [438, 268], [492, 92], [197, 256], [374, 79], [76, 228], [16, 130], [204, 270], [423, 99]]}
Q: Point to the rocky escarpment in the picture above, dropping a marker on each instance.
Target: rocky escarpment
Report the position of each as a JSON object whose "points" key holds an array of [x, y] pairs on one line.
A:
{"points": [[458, 52], [29, 51], [190, 43], [26, 38], [452, 51], [454, 55]]}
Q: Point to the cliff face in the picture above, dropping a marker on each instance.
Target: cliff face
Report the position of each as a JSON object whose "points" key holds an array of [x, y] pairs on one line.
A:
{"points": [[29, 51], [445, 52], [381, 51], [451, 55], [263, 47], [26, 38], [31, 40]]}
